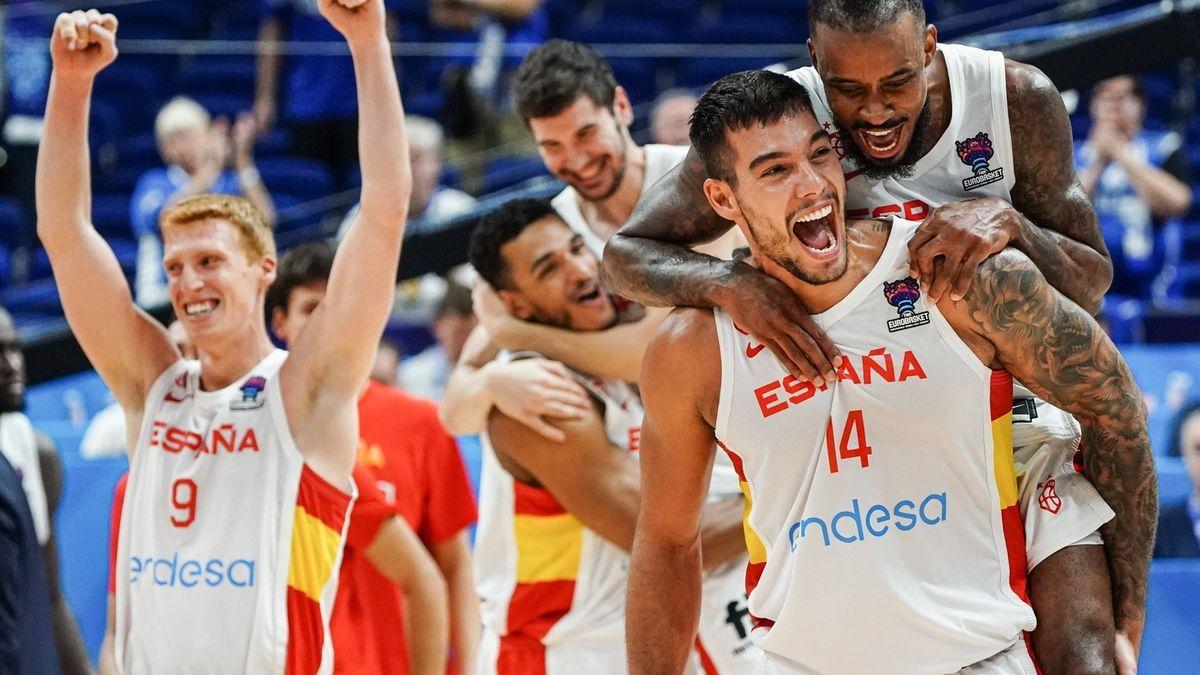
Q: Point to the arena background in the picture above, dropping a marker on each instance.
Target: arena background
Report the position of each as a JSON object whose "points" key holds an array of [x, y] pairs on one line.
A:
{"points": [[207, 50]]}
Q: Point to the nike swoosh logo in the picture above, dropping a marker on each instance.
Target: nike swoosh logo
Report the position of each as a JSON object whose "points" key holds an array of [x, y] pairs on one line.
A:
{"points": [[753, 350]]}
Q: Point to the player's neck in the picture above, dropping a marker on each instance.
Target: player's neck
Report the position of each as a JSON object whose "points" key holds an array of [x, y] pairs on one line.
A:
{"points": [[606, 216], [865, 242], [939, 101], [227, 358]]}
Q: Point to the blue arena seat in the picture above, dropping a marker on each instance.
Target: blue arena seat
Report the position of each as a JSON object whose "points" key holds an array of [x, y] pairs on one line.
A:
{"points": [[16, 225], [296, 176], [33, 297], [1171, 643], [224, 75], [110, 215]]}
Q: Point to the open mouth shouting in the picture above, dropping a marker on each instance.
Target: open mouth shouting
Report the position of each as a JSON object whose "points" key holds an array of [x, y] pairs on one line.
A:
{"points": [[590, 293], [817, 231], [880, 143]]}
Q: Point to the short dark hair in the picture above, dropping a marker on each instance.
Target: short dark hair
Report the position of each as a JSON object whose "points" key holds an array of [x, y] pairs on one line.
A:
{"points": [[1181, 419], [740, 101], [300, 266], [496, 229], [862, 16], [555, 74], [455, 301]]}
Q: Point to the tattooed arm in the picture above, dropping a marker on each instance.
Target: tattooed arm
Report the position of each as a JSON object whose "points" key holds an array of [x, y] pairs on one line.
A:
{"points": [[1059, 351], [1058, 229], [649, 261]]}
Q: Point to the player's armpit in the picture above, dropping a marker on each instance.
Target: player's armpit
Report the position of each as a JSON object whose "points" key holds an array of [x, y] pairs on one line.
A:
{"points": [[1060, 230], [1056, 349], [594, 480]]}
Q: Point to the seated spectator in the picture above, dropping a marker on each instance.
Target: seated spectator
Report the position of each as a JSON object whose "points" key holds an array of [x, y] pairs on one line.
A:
{"points": [[453, 320], [1137, 179], [201, 156], [1179, 524], [386, 367], [670, 120], [431, 203]]}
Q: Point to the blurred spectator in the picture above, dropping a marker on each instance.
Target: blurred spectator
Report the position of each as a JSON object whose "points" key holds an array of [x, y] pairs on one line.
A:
{"points": [[670, 120], [431, 203], [26, 79], [387, 362], [201, 156], [453, 320], [34, 616], [105, 434], [1137, 179], [1179, 524]]}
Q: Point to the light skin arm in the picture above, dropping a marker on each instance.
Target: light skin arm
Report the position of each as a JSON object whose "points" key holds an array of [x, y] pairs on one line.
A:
{"points": [[332, 356], [599, 483], [108, 655], [508, 10], [453, 558], [398, 554], [127, 347], [244, 133], [529, 390], [678, 382], [1055, 348], [266, 85]]}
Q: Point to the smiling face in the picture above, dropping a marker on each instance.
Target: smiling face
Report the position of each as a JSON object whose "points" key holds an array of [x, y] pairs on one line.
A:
{"points": [[12, 367], [216, 288], [877, 89], [787, 196], [586, 144], [554, 279]]}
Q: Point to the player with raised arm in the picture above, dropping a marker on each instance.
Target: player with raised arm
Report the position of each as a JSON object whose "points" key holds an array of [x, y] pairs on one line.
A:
{"points": [[239, 481], [979, 148], [884, 499]]}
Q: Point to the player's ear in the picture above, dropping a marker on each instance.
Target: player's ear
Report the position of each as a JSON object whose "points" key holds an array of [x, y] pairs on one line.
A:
{"points": [[622, 108], [721, 198], [517, 305], [267, 266], [278, 322], [930, 45]]}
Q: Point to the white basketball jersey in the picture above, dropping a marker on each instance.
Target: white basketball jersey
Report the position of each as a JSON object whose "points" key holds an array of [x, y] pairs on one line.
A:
{"points": [[971, 159], [540, 572], [230, 544], [18, 442], [884, 534]]}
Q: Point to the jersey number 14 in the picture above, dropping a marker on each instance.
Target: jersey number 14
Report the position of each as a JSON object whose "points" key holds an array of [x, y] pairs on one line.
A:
{"points": [[839, 446]]}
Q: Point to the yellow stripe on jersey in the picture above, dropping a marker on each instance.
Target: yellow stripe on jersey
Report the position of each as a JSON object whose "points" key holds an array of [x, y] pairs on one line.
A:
{"points": [[548, 547], [754, 545], [1002, 453], [314, 551]]}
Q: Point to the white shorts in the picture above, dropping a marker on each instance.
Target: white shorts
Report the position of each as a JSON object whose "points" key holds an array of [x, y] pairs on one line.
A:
{"points": [[1059, 505], [1017, 659], [723, 643]]}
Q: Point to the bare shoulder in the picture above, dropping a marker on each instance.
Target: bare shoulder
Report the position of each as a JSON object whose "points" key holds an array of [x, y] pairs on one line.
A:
{"points": [[1029, 89], [687, 334], [683, 360]]}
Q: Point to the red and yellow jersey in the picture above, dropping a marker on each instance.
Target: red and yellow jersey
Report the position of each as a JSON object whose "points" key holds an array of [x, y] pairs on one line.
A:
{"points": [[882, 520], [230, 544]]}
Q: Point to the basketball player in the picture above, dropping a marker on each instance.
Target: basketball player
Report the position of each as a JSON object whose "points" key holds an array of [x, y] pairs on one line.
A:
{"points": [[884, 531], [240, 466], [579, 117], [413, 469], [558, 517], [980, 148]]}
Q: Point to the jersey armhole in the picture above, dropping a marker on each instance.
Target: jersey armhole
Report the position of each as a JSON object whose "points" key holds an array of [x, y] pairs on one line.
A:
{"points": [[999, 82], [154, 397], [727, 347]]}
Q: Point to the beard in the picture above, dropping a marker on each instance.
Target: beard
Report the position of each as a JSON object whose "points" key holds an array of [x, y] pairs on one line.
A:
{"points": [[619, 175], [777, 252], [902, 168]]}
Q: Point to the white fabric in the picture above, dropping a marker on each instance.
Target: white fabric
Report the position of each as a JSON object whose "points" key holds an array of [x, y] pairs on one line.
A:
{"points": [[105, 434], [18, 442], [233, 616], [905, 545]]}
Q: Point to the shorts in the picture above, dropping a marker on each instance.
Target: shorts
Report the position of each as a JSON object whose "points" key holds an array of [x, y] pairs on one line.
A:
{"points": [[527, 656], [1060, 507], [1017, 659], [723, 643]]}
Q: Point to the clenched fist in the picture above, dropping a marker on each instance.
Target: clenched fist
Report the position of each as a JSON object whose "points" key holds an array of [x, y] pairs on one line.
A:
{"points": [[83, 43], [356, 20]]}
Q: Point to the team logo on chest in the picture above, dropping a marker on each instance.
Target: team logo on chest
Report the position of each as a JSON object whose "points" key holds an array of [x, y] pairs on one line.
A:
{"points": [[903, 295], [252, 394], [975, 153]]}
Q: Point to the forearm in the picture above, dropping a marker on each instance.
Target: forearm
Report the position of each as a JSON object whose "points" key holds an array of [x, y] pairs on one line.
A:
{"points": [[467, 402], [1165, 194], [1119, 463], [664, 581], [661, 274], [382, 142], [1074, 268], [722, 538], [425, 627], [616, 352], [255, 190], [72, 653], [267, 82], [63, 176], [508, 10], [464, 615]]}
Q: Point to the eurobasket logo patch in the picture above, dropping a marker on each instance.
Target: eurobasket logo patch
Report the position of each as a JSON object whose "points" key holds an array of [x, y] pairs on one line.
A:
{"points": [[903, 295], [252, 390], [975, 153]]}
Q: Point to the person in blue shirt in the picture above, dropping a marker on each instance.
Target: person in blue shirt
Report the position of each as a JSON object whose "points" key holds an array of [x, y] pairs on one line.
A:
{"points": [[1137, 179], [201, 156], [1179, 523]]}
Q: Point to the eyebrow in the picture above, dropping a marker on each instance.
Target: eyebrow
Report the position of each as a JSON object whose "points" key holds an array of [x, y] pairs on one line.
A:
{"points": [[766, 157], [906, 70], [537, 262]]}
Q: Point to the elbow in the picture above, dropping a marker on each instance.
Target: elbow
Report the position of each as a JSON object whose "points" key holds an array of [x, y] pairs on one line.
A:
{"points": [[614, 262]]}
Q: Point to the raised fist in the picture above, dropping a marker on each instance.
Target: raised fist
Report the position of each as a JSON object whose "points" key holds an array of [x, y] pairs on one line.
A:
{"points": [[356, 20], [83, 43]]}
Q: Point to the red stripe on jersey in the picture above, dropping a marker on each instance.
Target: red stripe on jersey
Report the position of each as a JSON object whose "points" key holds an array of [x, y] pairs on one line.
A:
{"points": [[761, 623], [737, 462], [534, 608], [706, 662], [1032, 657], [306, 634], [533, 501], [521, 655], [1001, 394], [754, 572], [1014, 544], [322, 500]]}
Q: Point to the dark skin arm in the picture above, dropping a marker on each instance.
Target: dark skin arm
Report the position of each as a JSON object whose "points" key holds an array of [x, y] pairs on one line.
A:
{"points": [[1050, 219], [72, 653], [1059, 351]]}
